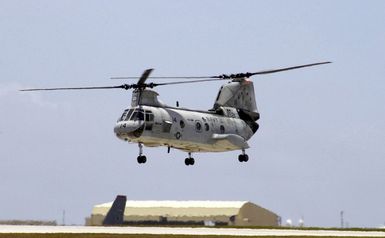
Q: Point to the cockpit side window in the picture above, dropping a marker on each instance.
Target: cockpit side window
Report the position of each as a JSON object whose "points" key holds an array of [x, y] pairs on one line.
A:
{"points": [[138, 115], [149, 116]]}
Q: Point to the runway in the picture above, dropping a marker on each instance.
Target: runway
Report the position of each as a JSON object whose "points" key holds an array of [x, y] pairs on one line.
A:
{"points": [[186, 231]]}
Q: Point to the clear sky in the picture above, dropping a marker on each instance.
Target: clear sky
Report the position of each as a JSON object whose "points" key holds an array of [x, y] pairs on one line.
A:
{"points": [[320, 148]]}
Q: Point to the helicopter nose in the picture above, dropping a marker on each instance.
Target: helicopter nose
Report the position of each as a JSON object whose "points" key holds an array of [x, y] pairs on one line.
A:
{"points": [[128, 129]]}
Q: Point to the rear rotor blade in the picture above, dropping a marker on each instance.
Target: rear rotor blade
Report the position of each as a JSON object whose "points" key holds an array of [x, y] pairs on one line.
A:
{"points": [[220, 77], [187, 81], [288, 68], [234, 76]]}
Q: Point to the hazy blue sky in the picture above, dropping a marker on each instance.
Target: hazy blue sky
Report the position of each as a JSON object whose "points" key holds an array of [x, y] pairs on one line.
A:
{"points": [[320, 148]]}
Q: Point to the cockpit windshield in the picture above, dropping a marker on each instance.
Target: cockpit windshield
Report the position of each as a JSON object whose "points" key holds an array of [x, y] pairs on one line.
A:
{"points": [[132, 115], [126, 113]]}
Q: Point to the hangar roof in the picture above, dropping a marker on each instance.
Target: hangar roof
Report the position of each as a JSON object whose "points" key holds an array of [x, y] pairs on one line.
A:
{"points": [[175, 208], [180, 204]]}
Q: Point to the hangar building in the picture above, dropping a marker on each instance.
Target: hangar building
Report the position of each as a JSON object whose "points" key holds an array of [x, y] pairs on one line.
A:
{"points": [[233, 213]]}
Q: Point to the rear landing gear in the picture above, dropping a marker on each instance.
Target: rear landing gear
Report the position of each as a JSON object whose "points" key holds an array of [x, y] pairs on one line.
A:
{"points": [[141, 158], [243, 157], [189, 161]]}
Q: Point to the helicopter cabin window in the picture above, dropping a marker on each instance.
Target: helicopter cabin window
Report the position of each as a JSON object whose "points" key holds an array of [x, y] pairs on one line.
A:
{"points": [[181, 123], [138, 115], [222, 129], [198, 127], [207, 127]]}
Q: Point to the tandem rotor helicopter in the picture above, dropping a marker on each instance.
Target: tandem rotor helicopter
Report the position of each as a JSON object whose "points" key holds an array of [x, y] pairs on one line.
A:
{"points": [[227, 126]]}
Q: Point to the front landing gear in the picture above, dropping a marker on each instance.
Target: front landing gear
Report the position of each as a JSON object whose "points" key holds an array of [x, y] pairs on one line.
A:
{"points": [[141, 158], [243, 157], [189, 161]]}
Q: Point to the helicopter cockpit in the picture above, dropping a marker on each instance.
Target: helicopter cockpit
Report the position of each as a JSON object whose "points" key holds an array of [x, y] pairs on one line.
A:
{"points": [[132, 115], [130, 124]]}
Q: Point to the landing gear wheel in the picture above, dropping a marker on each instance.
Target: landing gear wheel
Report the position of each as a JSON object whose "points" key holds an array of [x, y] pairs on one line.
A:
{"points": [[243, 158], [189, 161], [141, 159], [240, 158]]}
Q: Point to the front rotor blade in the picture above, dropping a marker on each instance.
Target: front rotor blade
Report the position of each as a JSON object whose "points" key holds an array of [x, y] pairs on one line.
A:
{"points": [[285, 69], [124, 86], [165, 77], [144, 76]]}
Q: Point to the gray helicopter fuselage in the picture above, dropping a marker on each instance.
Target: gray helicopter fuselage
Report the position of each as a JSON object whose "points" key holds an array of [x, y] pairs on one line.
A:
{"points": [[228, 126], [184, 129]]}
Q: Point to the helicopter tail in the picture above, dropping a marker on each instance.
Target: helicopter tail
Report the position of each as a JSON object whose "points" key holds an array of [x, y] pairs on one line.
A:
{"points": [[240, 95]]}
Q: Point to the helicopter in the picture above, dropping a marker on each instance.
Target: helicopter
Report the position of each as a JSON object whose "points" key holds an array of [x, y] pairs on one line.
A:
{"points": [[227, 126]]}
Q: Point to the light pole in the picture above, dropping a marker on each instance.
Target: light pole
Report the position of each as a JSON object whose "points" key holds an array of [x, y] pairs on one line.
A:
{"points": [[342, 219]]}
